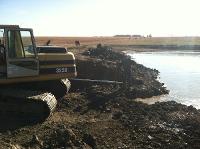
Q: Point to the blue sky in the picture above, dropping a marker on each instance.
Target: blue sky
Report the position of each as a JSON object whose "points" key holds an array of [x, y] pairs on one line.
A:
{"points": [[104, 17]]}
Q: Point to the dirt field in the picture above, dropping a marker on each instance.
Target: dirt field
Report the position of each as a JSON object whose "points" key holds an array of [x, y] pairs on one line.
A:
{"points": [[91, 41], [124, 43]]}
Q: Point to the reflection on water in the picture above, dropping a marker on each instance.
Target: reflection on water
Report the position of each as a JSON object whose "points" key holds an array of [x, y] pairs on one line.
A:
{"points": [[179, 70]]}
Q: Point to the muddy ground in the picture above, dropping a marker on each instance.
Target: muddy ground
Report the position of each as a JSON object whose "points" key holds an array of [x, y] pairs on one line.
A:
{"points": [[105, 115]]}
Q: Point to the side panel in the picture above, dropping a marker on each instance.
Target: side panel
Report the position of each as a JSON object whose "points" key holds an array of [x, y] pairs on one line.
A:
{"points": [[52, 67], [57, 64], [22, 68]]}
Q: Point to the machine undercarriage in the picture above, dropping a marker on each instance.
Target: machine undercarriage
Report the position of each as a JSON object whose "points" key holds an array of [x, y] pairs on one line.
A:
{"points": [[31, 102]]}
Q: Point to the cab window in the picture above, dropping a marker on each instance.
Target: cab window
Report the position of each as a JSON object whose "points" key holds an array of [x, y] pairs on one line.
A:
{"points": [[1, 37], [20, 44], [27, 44]]}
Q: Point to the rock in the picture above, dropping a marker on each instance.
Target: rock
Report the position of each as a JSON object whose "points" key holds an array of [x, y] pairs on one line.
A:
{"points": [[90, 140], [9, 132], [107, 110], [15, 146], [71, 134], [36, 141], [117, 115], [86, 146], [150, 137], [78, 109]]}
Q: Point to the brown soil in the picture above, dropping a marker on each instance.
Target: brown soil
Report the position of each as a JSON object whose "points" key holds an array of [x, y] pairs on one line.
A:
{"points": [[107, 115]]}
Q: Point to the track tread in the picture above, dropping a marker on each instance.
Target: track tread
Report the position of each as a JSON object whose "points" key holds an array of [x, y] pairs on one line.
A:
{"points": [[27, 104]]}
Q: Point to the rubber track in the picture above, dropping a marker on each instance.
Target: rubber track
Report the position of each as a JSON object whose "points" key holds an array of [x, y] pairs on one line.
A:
{"points": [[26, 104], [33, 101]]}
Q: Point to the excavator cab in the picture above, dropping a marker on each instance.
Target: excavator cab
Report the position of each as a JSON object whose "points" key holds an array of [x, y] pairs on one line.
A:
{"points": [[22, 61], [18, 53]]}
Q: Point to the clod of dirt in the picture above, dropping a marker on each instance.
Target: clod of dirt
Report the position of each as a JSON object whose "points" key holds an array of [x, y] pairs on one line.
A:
{"points": [[90, 140], [36, 141]]}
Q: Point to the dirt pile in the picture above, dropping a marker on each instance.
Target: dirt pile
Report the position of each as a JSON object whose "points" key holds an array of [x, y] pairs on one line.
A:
{"points": [[97, 118], [136, 125], [105, 52], [105, 64]]}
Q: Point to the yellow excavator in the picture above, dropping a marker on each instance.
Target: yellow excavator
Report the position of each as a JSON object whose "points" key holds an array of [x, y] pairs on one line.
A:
{"points": [[31, 78]]}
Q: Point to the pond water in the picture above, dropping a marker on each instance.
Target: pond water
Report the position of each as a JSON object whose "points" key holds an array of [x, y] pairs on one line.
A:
{"points": [[179, 70]]}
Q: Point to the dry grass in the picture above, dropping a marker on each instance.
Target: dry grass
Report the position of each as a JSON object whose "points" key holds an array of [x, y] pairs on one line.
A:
{"points": [[118, 43], [90, 41]]}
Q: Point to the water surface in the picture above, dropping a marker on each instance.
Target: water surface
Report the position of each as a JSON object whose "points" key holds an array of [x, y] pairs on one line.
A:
{"points": [[179, 70]]}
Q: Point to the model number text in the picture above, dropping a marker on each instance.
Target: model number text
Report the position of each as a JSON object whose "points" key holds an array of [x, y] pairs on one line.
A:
{"points": [[61, 70]]}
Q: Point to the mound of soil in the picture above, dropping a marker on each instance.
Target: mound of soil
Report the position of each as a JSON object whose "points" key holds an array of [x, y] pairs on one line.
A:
{"points": [[105, 64]]}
